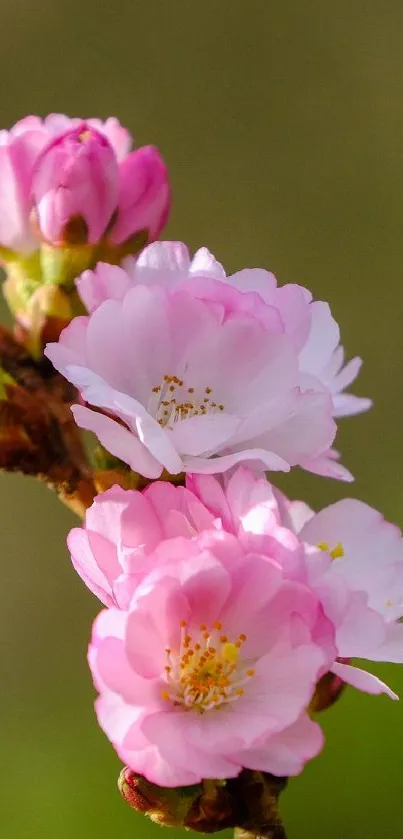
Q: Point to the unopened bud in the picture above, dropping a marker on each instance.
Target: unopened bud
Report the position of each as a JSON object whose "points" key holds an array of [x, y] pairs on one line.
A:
{"points": [[328, 691], [161, 804], [248, 802], [75, 187], [40, 311]]}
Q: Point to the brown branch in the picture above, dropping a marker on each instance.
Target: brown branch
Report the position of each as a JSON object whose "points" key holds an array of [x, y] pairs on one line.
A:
{"points": [[38, 435]]}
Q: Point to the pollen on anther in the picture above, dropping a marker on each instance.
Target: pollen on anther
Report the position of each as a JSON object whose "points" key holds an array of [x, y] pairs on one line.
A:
{"points": [[208, 390], [182, 624], [323, 546], [240, 692], [202, 627], [250, 672], [165, 695], [217, 625]]}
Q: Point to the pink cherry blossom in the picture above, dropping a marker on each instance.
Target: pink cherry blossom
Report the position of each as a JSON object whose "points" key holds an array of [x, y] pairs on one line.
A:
{"points": [[81, 180], [347, 553], [219, 380], [359, 577], [309, 323], [211, 667]]}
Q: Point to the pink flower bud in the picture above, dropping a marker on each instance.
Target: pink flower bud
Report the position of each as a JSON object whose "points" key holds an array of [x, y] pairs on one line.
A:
{"points": [[144, 196], [75, 186], [19, 150]]}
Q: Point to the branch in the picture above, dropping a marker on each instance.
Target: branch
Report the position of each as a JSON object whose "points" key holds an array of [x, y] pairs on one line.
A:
{"points": [[38, 435]]}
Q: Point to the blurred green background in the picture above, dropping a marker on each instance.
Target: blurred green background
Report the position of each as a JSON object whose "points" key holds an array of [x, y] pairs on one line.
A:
{"points": [[282, 125]]}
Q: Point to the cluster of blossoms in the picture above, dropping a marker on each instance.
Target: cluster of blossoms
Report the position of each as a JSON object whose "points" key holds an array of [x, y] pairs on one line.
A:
{"points": [[71, 193], [226, 603]]}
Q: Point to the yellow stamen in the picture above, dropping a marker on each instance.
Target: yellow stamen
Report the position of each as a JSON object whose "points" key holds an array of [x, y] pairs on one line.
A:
{"points": [[337, 552], [323, 546], [230, 652]]}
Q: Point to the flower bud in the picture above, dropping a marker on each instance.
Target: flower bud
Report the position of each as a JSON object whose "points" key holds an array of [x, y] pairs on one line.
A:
{"points": [[75, 187], [144, 196], [72, 195], [328, 691], [162, 805], [41, 312], [19, 149], [248, 802]]}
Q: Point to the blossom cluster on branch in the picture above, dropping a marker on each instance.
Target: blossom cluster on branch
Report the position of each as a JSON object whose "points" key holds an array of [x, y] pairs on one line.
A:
{"points": [[232, 613]]}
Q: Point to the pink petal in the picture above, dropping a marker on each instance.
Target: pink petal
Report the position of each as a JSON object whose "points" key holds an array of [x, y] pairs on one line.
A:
{"points": [[347, 405], [204, 263], [323, 339], [206, 585], [308, 431], [104, 515], [214, 465], [116, 718], [283, 685], [362, 680], [114, 669], [169, 732], [85, 562], [200, 435], [327, 466], [162, 263], [144, 195], [118, 440], [286, 753], [105, 282]]}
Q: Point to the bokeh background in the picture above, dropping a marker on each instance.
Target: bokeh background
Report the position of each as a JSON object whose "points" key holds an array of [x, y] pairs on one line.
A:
{"points": [[282, 124]]}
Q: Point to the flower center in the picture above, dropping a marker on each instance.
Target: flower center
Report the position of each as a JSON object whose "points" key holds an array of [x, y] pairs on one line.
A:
{"points": [[336, 553], [207, 671], [173, 400]]}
